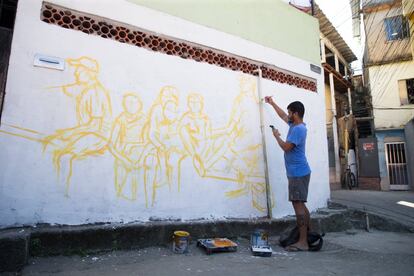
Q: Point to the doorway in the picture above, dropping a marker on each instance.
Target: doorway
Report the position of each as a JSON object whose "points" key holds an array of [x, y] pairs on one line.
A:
{"points": [[7, 16], [395, 156]]}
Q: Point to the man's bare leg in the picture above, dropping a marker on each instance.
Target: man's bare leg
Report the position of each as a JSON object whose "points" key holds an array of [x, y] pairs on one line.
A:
{"points": [[307, 217], [302, 221]]}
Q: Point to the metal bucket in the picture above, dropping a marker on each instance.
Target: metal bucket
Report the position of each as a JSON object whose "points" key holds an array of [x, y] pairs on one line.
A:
{"points": [[180, 242], [259, 238]]}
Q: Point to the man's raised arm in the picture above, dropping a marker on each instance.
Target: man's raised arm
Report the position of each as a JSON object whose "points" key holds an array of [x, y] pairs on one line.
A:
{"points": [[279, 111]]}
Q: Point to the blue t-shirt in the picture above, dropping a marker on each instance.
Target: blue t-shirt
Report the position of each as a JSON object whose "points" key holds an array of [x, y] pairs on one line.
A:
{"points": [[295, 159]]}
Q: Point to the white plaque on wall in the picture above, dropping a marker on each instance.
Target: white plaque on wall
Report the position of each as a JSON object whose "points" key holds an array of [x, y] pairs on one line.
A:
{"points": [[49, 62]]}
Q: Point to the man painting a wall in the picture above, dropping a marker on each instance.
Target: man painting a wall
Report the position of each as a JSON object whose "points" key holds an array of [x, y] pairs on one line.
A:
{"points": [[104, 167], [297, 167]]}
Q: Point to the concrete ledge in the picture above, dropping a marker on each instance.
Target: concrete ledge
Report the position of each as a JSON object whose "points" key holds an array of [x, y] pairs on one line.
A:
{"points": [[16, 245], [66, 240], [14, 251]]}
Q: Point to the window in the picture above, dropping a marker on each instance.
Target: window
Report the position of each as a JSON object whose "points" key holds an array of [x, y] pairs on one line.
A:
{"points": [[329, 57], [341, 68], [406, 88], [396, 28], [410, 91]]}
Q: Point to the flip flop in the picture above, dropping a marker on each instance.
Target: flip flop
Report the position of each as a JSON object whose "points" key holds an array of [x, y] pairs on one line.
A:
{"points": [[292, 248]]}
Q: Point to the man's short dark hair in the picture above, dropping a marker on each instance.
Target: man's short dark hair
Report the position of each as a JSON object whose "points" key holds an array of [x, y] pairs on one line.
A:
{"points": [[298, 108]]}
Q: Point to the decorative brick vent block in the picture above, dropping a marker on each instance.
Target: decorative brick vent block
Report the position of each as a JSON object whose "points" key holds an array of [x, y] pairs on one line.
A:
{"points": [[110, 29]]}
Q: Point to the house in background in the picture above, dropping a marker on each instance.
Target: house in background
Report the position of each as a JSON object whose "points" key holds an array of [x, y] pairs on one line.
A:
{"points": [[389, 77], [336, 58], [408, 11]]}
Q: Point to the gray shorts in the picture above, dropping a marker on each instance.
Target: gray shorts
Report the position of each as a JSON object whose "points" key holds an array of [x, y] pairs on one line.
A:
{"points": [[298, 188]]}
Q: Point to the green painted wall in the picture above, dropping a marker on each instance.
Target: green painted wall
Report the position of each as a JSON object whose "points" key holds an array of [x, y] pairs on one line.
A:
{"points": [[271, 23]]}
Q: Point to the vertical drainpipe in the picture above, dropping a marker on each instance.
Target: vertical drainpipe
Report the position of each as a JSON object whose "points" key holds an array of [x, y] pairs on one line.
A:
{"points": [[262, 128]]}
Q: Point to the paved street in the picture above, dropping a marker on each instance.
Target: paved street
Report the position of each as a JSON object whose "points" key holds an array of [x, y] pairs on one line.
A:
{"points": [[352, 253], [381, 203]]}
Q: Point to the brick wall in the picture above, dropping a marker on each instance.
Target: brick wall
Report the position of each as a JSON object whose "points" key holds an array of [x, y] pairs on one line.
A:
{"points": [[369, 183]]}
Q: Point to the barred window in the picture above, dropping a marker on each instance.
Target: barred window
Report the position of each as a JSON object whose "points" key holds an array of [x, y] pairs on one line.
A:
{"points": [[410, 90], [396, 28]]}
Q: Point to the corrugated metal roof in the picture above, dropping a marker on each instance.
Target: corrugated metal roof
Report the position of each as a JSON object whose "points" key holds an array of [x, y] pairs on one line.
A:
{"points": [[329, 31]]}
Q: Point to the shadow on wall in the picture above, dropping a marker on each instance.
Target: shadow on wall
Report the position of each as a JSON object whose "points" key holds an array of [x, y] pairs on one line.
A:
{"points": [[148, 149]]}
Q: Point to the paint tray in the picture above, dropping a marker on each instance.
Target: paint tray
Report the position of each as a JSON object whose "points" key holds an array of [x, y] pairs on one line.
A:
{"points": [[262, 251], [217, 245]]}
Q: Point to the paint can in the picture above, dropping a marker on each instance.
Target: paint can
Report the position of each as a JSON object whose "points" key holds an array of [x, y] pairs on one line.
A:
{"points": [[259, 238], [180, 242]]}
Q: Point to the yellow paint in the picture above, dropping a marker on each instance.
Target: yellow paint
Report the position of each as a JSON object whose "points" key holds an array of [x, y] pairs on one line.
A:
{"points": [[22, 133], [133, 155], [223, 242], [148, 148], [230, 147], [21, 136], [181, 234], [162, 134], [24, 129], [93, 113], [196, 134], [242, 156]]}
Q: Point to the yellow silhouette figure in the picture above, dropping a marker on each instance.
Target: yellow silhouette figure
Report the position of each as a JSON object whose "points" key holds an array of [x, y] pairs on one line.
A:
{"points": [[245, 149], [134, 156], [163, 135], [232, 153], [204, 146], [93, 111], [195, 132], [240, 151], [148, 150]]}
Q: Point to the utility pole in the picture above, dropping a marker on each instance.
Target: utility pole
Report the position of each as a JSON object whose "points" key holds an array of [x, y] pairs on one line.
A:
{"points": [[312, 7]]}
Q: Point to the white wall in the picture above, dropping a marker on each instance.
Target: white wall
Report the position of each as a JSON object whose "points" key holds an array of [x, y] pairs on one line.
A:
{"points": [[388, 111], [32, 192]]}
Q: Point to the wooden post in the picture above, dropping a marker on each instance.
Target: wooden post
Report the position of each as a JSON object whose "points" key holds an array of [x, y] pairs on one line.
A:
{"points": [[350, 100], [335, 129]]}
